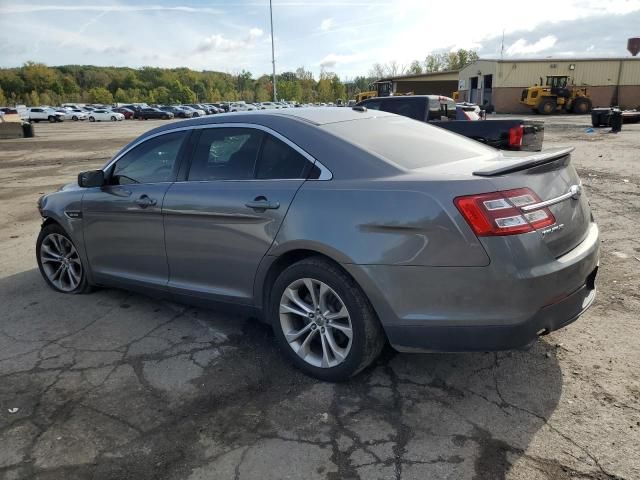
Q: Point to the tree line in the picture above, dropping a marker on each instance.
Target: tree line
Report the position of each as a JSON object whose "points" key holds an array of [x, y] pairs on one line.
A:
{"points": [[39, 84]]}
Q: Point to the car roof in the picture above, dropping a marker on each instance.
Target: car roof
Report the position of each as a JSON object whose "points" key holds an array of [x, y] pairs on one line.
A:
{"points": [[306, 115]]}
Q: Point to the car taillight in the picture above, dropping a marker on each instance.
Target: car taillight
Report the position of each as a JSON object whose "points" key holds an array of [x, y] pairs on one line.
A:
{"points": [[500, 213], [515, 136]]}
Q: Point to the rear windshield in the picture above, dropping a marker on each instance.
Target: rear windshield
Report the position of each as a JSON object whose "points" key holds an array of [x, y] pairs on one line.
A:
{"points": [[408, 143]]}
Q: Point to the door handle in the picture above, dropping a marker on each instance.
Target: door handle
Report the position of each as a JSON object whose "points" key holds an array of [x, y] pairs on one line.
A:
{"points": [[144, 201], [262, 203]]}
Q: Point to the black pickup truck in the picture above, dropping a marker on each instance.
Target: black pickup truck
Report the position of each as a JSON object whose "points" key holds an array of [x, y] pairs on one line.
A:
{"points": [[442, 112]]}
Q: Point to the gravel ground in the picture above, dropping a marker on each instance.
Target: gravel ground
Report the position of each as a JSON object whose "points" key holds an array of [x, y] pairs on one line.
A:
{"points": [[117, 385]]}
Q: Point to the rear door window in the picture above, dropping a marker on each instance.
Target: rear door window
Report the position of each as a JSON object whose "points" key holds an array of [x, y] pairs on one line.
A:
{"points": [[280, 161], [225, 154]]}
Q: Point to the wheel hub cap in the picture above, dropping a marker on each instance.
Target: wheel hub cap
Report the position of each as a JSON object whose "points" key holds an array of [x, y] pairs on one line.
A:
{"points": [[60, 262], [316, 323]]}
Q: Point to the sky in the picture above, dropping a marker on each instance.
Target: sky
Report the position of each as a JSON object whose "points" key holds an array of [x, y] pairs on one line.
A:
{"points": [[342, 36]]}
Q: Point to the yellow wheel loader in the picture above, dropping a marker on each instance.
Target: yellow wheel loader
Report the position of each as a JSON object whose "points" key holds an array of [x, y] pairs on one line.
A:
{"points": [[556, 96]]}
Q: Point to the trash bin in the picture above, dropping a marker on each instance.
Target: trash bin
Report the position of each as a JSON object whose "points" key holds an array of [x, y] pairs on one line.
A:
{"points": [[27, 130], [600, 117], [615, 120]]}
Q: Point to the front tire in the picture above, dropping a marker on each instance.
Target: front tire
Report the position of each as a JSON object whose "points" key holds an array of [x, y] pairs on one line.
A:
{"points": [[323, 322], [59, 261], [581, 106], [91, 119], [51, 119], [74, 118], [113, 119]]}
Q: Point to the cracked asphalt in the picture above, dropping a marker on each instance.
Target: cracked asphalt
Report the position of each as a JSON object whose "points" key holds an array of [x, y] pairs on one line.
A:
{"points": [[114, 385]]}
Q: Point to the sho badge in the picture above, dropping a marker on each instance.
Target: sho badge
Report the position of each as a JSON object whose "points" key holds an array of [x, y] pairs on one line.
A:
{"points": [[555, 228]]}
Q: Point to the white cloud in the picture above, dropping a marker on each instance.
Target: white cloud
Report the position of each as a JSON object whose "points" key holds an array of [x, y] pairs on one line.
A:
{"points": [[523, 47], [326, 24], [255, 33], [219, 43], [333, 59], [8, 9]]}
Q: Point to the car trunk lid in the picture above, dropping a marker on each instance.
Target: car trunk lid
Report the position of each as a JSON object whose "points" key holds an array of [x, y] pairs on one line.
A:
{"points": [[553, 178]]}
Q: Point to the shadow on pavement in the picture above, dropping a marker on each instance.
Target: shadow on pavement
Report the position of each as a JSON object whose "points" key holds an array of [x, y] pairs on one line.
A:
{"points": [[118, 385]]}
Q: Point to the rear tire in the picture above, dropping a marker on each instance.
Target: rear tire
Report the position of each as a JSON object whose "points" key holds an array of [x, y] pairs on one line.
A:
{"points": [[547, 107], [59, 261], [91, 119], [51, 119], [342, 336]]}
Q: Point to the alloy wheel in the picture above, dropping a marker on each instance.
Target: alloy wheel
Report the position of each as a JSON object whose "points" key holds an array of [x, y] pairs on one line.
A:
{"points": [[61, 262], [316, 323]]}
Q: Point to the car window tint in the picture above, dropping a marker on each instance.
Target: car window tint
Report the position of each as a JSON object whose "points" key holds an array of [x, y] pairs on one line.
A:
{"points": [[279, 160], [435, 111], [407, 143], [150, 162], [225, 154], [407, 107]]}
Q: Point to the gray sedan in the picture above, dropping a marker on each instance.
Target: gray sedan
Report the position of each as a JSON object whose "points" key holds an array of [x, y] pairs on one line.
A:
{"points": [[343, 228]]}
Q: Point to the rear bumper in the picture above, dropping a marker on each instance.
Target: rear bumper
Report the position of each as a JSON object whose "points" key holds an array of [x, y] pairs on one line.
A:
{"points": [[427, 338], [501, 306]]}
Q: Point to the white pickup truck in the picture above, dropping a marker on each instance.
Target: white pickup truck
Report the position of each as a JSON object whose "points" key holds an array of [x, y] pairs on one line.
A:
{"points": [[45, 113]]}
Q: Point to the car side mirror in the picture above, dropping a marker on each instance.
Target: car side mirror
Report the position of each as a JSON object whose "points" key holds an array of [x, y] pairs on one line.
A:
{"points": [[91, 178]]}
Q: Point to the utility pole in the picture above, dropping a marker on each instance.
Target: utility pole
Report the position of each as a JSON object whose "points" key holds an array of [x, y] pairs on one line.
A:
{"points": [[273, 55]]}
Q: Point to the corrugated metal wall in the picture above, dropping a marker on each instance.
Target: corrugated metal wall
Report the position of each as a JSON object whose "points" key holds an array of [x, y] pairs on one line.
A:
{"points": [[522, 74], [595, 73]]}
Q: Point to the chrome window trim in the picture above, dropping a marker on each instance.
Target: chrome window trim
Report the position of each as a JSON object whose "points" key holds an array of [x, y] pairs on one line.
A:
{"points": [[325, 173]]}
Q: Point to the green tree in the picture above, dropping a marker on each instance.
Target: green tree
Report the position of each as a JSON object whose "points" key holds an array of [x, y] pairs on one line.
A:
{"points": [[435, 62], [415, 67], [215, 96], [162, 95], [325, 89], [45, 99], [3, 99], [11, 82], [33, 99], [38, 76], [100, 95], [121, 96]]}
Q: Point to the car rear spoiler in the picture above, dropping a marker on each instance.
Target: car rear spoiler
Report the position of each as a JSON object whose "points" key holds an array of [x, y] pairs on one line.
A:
{"points": [[509, 164]]}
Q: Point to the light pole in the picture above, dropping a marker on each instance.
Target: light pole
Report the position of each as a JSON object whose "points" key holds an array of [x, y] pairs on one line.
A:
{"points": [[273, 56]]}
